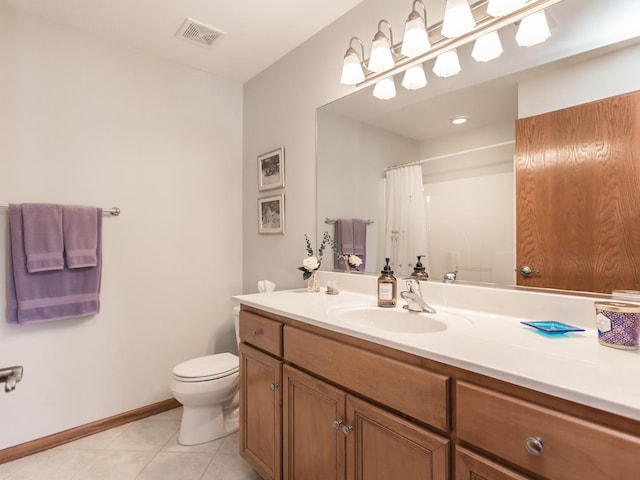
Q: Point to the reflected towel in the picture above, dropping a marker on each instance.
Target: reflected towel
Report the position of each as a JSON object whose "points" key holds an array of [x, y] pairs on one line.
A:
{"points": [[50, 295], [346, 236], [360, 240], [43, 237], [80, 230]]}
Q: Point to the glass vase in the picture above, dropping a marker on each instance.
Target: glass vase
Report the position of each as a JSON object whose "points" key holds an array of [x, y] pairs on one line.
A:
{"points": [[312, 283]]}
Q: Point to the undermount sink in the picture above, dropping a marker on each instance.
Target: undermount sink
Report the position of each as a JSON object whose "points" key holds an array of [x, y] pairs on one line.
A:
{"points": [[396, 320]]}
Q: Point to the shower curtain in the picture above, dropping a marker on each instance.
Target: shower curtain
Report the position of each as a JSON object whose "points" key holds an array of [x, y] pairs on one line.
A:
{"points": [[405, 232]]}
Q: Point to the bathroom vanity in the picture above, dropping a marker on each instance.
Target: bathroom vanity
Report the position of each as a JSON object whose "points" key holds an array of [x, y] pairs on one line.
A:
{"points": [[332, 388]]}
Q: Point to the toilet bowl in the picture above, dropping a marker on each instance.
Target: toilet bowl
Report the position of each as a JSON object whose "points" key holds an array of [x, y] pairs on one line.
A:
{"points": [[207, 388]]}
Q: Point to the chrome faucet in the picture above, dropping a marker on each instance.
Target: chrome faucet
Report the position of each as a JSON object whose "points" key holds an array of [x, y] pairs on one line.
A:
{"points": [[413, 296]]}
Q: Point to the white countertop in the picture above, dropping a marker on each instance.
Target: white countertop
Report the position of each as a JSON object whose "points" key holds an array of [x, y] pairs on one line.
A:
{"points": [[573, 366]]}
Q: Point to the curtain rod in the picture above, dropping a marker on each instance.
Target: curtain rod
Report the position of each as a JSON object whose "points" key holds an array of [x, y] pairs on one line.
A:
{"points": [[115, 211], [447, 155]]}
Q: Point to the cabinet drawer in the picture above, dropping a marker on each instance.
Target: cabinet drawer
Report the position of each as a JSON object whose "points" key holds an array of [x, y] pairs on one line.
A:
{"points": [[261, 332], [569, 448], [406, 388], [471, 466]]}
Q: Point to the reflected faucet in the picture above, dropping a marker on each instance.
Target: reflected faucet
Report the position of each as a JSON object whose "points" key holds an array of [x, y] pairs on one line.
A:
{"points": [[10, 376], [413, 296], [450, 277]]}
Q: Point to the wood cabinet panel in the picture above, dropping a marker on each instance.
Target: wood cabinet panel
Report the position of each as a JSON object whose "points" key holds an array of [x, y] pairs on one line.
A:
{"points": [[261, 332], [571, 447], [471, 466], [383, 446], [379, 378], [313, 447], [261, 411]]}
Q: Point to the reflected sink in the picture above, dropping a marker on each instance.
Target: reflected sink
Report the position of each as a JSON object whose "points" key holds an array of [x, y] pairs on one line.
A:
{"points": [[396, 320]]}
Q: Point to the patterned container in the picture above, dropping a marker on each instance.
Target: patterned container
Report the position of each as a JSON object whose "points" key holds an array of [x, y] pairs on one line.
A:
{"points": [[618, 324]]}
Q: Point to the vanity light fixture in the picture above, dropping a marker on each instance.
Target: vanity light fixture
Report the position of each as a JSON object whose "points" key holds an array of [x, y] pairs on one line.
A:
{"points": [[447, 64], [458, 19], [352, 72], [499, 8], [414, 78], [487, 47], [533, 30], [460, 120], [416, 38], [440, 41], [381, 57], [385, 89]]}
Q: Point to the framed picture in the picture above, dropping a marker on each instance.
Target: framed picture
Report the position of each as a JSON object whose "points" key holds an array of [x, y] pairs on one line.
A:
{"points": [[271, 214], [271, 170]]}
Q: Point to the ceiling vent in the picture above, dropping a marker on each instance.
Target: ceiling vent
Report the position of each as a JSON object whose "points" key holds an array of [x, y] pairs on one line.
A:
{"points": [[199, 33]]}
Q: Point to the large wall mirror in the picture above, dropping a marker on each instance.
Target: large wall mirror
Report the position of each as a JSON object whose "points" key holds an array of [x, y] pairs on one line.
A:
{"points": [[467, 170]]}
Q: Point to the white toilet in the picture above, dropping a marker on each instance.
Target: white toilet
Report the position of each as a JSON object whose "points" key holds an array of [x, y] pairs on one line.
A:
{"points": [[207, 388]]}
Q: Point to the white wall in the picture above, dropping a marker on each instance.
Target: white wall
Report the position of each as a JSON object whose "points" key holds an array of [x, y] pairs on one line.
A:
{"points": [[88, 122], [604, 76]]}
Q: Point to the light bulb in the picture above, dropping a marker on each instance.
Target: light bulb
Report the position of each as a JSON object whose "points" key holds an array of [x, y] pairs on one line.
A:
{"points": [[385, 89], [416, 40], [414, 78], [447, 64], [458, 19], [487, 47], [533, 29]]}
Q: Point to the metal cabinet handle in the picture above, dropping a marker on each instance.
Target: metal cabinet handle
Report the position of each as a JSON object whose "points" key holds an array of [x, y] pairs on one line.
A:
{"points": [[534, 445], [347, 429], [526, 271], [255, 333], [273, 386], [337, 424]]}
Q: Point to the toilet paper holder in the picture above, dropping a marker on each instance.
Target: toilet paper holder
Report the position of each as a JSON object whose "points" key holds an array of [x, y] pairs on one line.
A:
{"points": [[10, 376]]}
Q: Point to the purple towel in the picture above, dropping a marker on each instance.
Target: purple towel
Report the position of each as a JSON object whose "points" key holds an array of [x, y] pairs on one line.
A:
{"points": [[346, 236], [360, 240], [43, 237], [51, 295], [80, 230]]}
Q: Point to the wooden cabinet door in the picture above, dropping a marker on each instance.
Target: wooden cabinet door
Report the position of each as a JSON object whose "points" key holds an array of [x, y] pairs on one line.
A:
{"points": [[261, 411], [313, 415], [470, 466], [383, 446]]}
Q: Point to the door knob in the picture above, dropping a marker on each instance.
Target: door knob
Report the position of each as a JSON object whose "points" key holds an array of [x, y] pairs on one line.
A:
{"points": [[273, 386], [347, 429], [527, 271], [337, 424]]}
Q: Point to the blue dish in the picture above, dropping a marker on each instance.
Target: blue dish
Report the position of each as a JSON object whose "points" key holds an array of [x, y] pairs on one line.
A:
{"points": [[553, 327]]}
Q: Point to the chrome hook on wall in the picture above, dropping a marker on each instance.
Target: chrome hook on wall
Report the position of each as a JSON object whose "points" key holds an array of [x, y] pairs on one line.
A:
{"points": [[11, 376]]}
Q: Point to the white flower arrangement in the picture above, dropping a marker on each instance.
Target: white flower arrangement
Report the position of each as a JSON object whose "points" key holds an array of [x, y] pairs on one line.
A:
{"points": [[313, 262], [352, 261]]}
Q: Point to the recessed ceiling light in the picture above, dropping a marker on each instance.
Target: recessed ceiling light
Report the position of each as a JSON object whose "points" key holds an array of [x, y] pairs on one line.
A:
{"points": [[459, 120]]}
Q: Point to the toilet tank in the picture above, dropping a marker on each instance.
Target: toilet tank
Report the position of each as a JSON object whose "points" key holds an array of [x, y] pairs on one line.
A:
{"points": [[236, 322]]}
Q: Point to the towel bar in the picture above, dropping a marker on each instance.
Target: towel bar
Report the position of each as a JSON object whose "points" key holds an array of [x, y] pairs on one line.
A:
{"points": [[115, 211]]}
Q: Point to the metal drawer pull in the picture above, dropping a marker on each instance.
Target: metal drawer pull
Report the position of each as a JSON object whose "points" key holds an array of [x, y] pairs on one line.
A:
{"points": [[255, 333], [347, 429], [273, 386], [534, 445], [337, 424]]}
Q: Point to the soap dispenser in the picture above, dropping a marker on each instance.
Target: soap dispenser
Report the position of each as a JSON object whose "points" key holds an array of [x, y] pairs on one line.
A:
{"points": [[419, 271], [387, 287]]}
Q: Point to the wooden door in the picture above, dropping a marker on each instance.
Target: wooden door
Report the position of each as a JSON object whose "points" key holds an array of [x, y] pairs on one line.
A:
{"points": [[261, 411], [313, 416], [578, 196], [383, 446]]}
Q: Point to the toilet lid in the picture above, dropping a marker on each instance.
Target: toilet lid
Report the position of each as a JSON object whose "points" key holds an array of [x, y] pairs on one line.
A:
{"points": [[208, 367]]}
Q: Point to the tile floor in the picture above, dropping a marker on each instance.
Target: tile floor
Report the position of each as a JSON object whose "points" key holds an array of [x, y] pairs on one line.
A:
{"points": [[147, 449]]}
